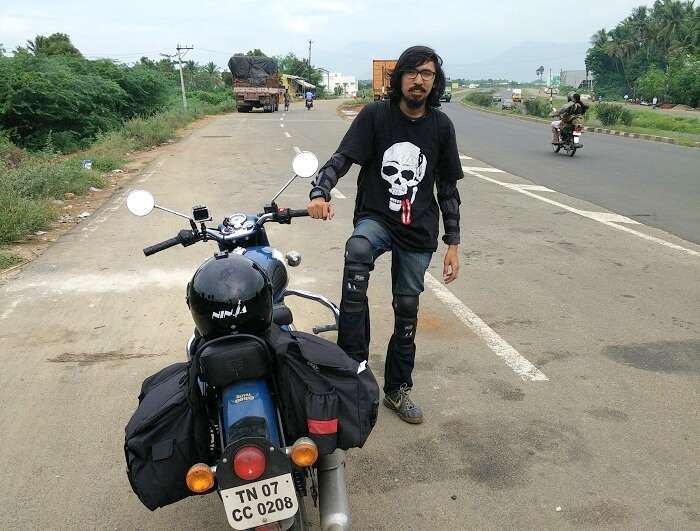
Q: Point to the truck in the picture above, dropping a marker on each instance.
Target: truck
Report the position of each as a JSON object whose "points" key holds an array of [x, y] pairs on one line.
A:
{"points": [[256, 83], [517, 95], [381, 74]]}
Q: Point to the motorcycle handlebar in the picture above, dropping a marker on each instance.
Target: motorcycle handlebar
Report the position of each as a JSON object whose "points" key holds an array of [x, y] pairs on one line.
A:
{"points": [[184, 237], [162, 246]]}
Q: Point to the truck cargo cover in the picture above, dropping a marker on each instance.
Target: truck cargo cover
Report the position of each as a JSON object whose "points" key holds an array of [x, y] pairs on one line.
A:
{"points": [[255, 70]]}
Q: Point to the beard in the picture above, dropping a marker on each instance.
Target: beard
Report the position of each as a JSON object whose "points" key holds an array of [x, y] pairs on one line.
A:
{"points": [[415, 100]]}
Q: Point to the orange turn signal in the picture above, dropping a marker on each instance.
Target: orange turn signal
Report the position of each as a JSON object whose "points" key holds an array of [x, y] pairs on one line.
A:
{"points": [[304, 452], [200, 478]]}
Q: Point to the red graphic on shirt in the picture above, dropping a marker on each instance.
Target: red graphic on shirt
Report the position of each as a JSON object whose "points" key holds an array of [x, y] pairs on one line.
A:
{"points": [[406, 211]]}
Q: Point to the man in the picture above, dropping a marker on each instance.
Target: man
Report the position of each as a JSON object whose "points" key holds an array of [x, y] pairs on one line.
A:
{"points": [[571, 114], [286, 99], [309, 97], [406, 148]]}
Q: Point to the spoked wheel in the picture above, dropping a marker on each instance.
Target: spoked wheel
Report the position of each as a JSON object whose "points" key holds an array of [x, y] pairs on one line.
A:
{"points": [[556, 148]]}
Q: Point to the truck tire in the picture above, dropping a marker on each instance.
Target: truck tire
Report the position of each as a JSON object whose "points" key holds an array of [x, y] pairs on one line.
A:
{"points": [[243, 108]]}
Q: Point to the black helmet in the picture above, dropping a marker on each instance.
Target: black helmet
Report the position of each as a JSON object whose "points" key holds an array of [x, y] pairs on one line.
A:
{"points": [[230, 293]]}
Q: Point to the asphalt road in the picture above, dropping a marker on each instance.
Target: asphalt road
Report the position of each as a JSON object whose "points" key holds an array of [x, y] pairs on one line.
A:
{"points": [[558, 374], [656, 184]]}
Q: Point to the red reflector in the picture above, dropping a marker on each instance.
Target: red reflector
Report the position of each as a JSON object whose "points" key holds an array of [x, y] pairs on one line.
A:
{"points": [[322, 427], [249, 463]]}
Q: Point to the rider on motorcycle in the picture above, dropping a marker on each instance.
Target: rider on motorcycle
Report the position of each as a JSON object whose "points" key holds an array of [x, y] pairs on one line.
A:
{"points": [[570, 115], [309, 96]]}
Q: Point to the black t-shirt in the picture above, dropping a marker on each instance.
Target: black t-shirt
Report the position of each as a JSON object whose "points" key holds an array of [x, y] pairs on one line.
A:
{"points": [[401, 159]]}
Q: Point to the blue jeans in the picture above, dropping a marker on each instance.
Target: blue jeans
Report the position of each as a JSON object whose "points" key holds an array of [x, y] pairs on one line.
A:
{"points": [[407, 279]]}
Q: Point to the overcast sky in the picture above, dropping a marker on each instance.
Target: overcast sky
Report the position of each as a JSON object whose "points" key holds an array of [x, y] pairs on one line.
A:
{"points": [[346, 35]]}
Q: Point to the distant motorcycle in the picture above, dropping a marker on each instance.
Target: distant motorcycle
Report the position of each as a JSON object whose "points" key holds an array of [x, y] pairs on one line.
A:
{"points": [[309, 104], [570, 139]]}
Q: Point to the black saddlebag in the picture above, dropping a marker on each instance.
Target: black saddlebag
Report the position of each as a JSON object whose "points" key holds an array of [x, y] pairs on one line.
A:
{"points": [[323, 393], [228, 359], [167, 434]]}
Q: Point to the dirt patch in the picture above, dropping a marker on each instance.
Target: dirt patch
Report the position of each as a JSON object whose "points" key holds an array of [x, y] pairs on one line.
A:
{"points": [[349, 111], [88, 358], [504, 390], [600, 514], [658, 356], [71, 208], [606, 413]]}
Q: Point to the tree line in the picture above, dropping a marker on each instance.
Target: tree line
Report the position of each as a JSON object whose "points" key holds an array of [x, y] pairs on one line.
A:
{"points": [[654, 52], [50, 93]]}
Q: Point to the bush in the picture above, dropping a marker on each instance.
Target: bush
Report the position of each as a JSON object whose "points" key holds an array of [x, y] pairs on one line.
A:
{"points": [[538, 107], [20, 216], [609, 113], [483, 99], [626, 117], [43, 178]]}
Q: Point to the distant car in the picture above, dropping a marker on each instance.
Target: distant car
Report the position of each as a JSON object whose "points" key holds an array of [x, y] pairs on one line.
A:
{"points": [[496, 99], [446, 96], [507, 105]]}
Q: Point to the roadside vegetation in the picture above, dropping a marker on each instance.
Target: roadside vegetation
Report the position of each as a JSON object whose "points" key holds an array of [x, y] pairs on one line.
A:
{"points": [[58, 109], [686, 130], [654, 52]]}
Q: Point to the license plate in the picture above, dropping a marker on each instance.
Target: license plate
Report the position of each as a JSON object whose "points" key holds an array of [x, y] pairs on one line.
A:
{"points": [[576, 140], [259, 503]]}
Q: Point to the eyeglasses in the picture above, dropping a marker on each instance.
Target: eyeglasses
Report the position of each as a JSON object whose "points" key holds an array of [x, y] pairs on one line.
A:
{"points": [[427, 75]]}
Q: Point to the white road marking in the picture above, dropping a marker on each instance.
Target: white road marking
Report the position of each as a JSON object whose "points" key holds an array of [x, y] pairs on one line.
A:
{"points": [[500, 347], [297, 150], [281, 125], [533, 187], [487, 170], [606, 218], [464, 157], [282, 118], [287, 134], [337, 194]]}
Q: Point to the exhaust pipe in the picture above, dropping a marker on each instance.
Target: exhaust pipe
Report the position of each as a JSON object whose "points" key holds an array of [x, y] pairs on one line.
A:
{"points": [[334, 507]]}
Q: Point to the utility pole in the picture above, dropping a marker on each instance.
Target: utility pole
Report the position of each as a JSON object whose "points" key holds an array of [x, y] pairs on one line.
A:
{"points": [[182, 78], [310, 41]]}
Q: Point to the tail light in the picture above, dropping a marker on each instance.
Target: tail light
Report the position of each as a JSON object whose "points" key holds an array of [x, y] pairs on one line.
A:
{"points": [[200, 478], [249, 463], [304, 452]]}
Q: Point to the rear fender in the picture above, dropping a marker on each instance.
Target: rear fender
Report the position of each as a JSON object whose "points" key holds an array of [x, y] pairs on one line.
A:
{"points": [[247, 410]]}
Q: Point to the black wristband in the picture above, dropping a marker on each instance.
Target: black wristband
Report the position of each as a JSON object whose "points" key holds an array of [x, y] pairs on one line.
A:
{"points": [[317, 191]]}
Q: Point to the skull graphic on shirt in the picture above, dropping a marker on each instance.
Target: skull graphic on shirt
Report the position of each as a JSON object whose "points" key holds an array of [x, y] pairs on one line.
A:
{"points": [[403, 167]]}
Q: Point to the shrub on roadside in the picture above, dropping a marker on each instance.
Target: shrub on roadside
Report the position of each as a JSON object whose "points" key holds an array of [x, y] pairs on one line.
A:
{"points": [[8, 260], [626, 117], [538, 107], [483, 99], [609, 113], [20, 216]]}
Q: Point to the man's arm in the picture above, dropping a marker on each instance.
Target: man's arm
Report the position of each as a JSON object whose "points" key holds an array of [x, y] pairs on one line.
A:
{"points": [[327, 177]]}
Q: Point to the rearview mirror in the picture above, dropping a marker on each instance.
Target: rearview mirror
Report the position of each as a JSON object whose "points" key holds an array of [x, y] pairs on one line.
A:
{"points": [[305, 164], [140, 202]]}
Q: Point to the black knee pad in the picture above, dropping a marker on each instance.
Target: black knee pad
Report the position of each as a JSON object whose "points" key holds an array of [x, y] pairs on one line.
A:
{"points": [[405, 318], [359, 261]]}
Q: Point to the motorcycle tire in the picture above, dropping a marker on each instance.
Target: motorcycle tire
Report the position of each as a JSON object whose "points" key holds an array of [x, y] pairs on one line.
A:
{"points": [[556, 148], [572, 152]]}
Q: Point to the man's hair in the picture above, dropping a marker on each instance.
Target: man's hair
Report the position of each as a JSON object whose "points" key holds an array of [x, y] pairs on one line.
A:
{"points": [[577, 97], [411, 59]]}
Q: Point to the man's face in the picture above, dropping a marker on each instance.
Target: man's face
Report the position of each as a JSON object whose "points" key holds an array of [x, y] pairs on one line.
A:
{"points": [[417, 83]]}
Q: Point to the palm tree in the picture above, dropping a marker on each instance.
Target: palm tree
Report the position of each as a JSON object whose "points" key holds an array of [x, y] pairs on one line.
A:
{"points": [[600, 38], [211, 68], [671, 17]]}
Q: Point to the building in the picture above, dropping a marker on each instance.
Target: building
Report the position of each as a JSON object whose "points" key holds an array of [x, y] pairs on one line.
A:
{"points": [[296, 85], [575, 78], [347, 85]]}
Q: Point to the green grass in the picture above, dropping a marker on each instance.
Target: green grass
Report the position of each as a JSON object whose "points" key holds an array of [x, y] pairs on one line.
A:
{"points": [[9, 260], [665, 122], [28, 181]]}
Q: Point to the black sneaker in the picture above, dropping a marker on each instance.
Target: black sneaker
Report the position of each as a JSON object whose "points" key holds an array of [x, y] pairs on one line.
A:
{"points": [[400, 402]]}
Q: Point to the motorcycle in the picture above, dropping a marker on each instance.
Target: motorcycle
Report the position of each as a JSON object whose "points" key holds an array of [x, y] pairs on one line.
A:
{"points": [[309, 104], [569, 137], [262, 479]]}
